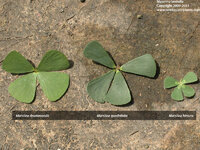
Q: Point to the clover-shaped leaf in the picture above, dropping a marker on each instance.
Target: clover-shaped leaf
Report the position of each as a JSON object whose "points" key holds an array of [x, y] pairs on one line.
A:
{"points": [[143, 65], [16, 63], [53, 61], [53, 84], [181, 87], [98, 87], [23, 88], [96, 52], [112, 86], [118, 93]]}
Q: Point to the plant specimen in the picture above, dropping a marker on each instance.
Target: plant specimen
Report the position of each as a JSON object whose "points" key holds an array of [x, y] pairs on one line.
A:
{"points": [[112, 87], [181, 87], [53, 84]]}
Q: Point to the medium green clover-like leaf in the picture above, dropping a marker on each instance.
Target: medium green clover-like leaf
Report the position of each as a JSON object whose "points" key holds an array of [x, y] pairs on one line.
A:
{"points": [[23, 88], [118, 93], [170, 82], [53, 84], [53, 60], [144, 65], [16, 63], [190, 77], [98, 87], [96, 52], [177, 94], [188, 91], [115, 91]]}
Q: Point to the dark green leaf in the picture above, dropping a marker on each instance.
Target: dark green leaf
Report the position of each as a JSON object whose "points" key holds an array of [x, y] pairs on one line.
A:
{"points": [[53, 60], [188, 91], [190, 77], [23, 88], [118, 93], [16, 63], [96, 52], [54, 84], [98, 87], [170, 82], [143, 65], [177, 94]]}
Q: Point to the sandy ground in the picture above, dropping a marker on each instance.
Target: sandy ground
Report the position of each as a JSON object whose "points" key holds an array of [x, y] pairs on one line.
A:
{"points": [[33, 27]]}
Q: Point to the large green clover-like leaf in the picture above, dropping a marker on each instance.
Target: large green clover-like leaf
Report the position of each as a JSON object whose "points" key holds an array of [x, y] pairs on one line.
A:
{"points": [[112, 86], [96, 52], [54, 84], [182, 88], [16, 63]]}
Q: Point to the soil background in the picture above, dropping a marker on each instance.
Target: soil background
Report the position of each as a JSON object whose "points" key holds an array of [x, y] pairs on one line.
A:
{"points": [[33, 27]]}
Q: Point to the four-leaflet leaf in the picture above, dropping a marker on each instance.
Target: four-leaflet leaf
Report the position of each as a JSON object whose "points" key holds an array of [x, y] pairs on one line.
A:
{"points": [[112, 86], [181, 87], [54, 84]]}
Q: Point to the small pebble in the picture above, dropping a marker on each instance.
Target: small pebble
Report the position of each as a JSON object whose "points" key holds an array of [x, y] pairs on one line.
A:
{"points": [[61, 11], [139, 16]]}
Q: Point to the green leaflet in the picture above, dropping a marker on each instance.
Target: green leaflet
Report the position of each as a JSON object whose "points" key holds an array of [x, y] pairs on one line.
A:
{"points": [[98, 88], [118, 93], [96, 52], [53, 60], [170, 82], [177, 94], [16, 63], [190, 77], [188, 91], [53, 84], [143, 65], [23, 88]]}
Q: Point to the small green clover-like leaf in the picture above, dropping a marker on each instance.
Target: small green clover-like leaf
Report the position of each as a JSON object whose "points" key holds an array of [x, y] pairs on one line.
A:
{"points": [[53, 84], [98, 88], [177, 94], [96, 52], [190, 77], [182, 88], [23, 88], [53, 60], [188, 91], [170, 82], [118, 93], [16, 63], [144, 65]]}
